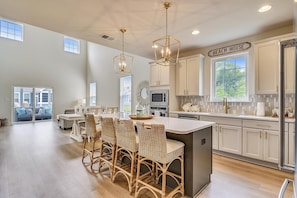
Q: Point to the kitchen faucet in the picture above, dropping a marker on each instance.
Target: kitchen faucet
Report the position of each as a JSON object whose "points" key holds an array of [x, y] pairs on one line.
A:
{"points": [[225, 104]]}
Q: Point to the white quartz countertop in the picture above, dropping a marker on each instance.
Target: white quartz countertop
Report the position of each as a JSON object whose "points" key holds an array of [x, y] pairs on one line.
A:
{"points": [[178, 126], [251, 117]]}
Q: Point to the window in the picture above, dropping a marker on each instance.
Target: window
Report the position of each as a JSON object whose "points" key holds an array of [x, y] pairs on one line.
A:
{"points": [[27, 97], [229, 78], [93, 94], [11, 30], [17, 98], [125, 95], [71, 45]]}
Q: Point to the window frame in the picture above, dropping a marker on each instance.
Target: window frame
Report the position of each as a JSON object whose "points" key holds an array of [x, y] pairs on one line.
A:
{"points": [[93, 93], [14, 35], [71, 50], [125, 110], [246, 54]]}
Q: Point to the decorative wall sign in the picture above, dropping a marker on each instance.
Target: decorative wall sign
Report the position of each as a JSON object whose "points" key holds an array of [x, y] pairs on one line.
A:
{"points": [[229, 49]]}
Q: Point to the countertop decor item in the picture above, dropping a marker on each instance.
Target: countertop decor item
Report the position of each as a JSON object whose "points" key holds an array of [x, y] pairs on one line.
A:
{"points": [[195, 108], [187, 107], [143, 117], [260, 109]]}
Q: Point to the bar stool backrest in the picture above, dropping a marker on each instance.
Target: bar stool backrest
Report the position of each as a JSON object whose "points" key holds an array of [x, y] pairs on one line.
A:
{"points": [[152, 141], [107, 130], [90, 124], [126, 136]]}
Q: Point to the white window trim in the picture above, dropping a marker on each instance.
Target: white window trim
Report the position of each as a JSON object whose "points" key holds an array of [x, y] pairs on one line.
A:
{"points": [[20, 24], [78, 41], [212, 77], [92, 85]]}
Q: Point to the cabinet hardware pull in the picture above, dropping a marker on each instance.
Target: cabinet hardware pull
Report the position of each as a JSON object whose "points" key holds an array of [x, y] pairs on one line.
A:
{"points": [[265, 134], [260, 134]]}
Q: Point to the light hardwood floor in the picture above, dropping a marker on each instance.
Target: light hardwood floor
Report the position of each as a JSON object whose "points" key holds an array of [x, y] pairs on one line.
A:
{"points": [[41, 161]]}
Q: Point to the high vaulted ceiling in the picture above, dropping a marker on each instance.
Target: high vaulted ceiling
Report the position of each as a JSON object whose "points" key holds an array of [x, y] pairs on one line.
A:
{"points": [[217, 20]]}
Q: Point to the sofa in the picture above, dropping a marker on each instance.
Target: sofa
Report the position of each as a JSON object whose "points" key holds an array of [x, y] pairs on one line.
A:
{"points": [[25, 113], [65, 124]]}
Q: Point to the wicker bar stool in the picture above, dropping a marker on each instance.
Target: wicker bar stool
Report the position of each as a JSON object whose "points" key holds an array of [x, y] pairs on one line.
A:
{"points": [[155, 147], [126, 151], [108, 137], [91, 140]]}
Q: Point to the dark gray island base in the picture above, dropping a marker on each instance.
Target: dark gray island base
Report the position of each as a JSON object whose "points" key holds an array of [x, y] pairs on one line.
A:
{"points": [[197, 137], [198, 159]]}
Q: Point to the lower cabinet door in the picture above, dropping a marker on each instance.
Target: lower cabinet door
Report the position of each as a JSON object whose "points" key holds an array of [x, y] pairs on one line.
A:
{"points": [[215, 137], [291, 149], [271, 146], [252, 143], [230, 139]]}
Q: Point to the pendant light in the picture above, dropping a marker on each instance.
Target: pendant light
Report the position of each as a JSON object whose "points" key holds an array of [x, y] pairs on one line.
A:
{"points": [[166, 48], [123, 63]]}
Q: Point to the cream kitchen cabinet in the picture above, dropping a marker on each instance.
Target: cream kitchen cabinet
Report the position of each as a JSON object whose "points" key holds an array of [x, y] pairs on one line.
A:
{"points": [[261, 140], [227, 134], [230, 139], [159, 75], [215, 136], [290, 59], [266, 56], [189, 76], [291, 147]]}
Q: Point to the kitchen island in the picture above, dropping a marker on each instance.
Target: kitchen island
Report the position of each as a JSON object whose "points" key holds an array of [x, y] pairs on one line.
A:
{"points": [[197, 137]]}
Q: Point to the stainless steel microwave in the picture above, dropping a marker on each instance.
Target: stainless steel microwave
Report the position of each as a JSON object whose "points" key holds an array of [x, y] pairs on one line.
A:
{"points": [[159, 97]]}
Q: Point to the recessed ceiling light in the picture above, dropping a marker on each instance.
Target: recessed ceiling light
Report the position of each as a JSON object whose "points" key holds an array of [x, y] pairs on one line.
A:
{"points": [[195, 32], [264, 8]]}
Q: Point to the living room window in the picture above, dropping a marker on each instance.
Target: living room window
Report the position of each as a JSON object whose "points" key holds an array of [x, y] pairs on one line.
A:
{"points": [[93, 94], [125, 95], [71, 45], [230, 78], [11, 30]]}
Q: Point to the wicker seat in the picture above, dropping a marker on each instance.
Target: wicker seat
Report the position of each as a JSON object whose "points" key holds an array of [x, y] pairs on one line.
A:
{"points": [[108, 145], [126, 151], [155, 147], [91, 140]]}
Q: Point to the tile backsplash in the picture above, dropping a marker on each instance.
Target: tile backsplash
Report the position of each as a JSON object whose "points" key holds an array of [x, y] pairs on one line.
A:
{"points": [[247, 108]]}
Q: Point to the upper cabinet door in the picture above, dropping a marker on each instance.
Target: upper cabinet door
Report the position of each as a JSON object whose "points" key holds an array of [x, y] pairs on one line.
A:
{"points": [[266, 65], [290, 59], [181, 80], [189, 76], [164, 74], [193, 76], [159, 75], [154, 75]]}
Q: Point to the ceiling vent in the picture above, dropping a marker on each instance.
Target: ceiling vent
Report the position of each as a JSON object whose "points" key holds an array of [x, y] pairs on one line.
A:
{"points": [[106, 37]]}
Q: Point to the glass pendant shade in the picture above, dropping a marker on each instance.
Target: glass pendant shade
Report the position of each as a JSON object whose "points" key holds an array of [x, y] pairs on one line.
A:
{"points": [[166, 48], [123, 63]]}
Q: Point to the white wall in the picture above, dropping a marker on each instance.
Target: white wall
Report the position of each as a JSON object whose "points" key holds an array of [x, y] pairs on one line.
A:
{"points": [[101, 71], [40, 61]]}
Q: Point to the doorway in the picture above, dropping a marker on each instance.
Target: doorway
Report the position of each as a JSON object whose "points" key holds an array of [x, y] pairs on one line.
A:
{"points": [[32, 104]]}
